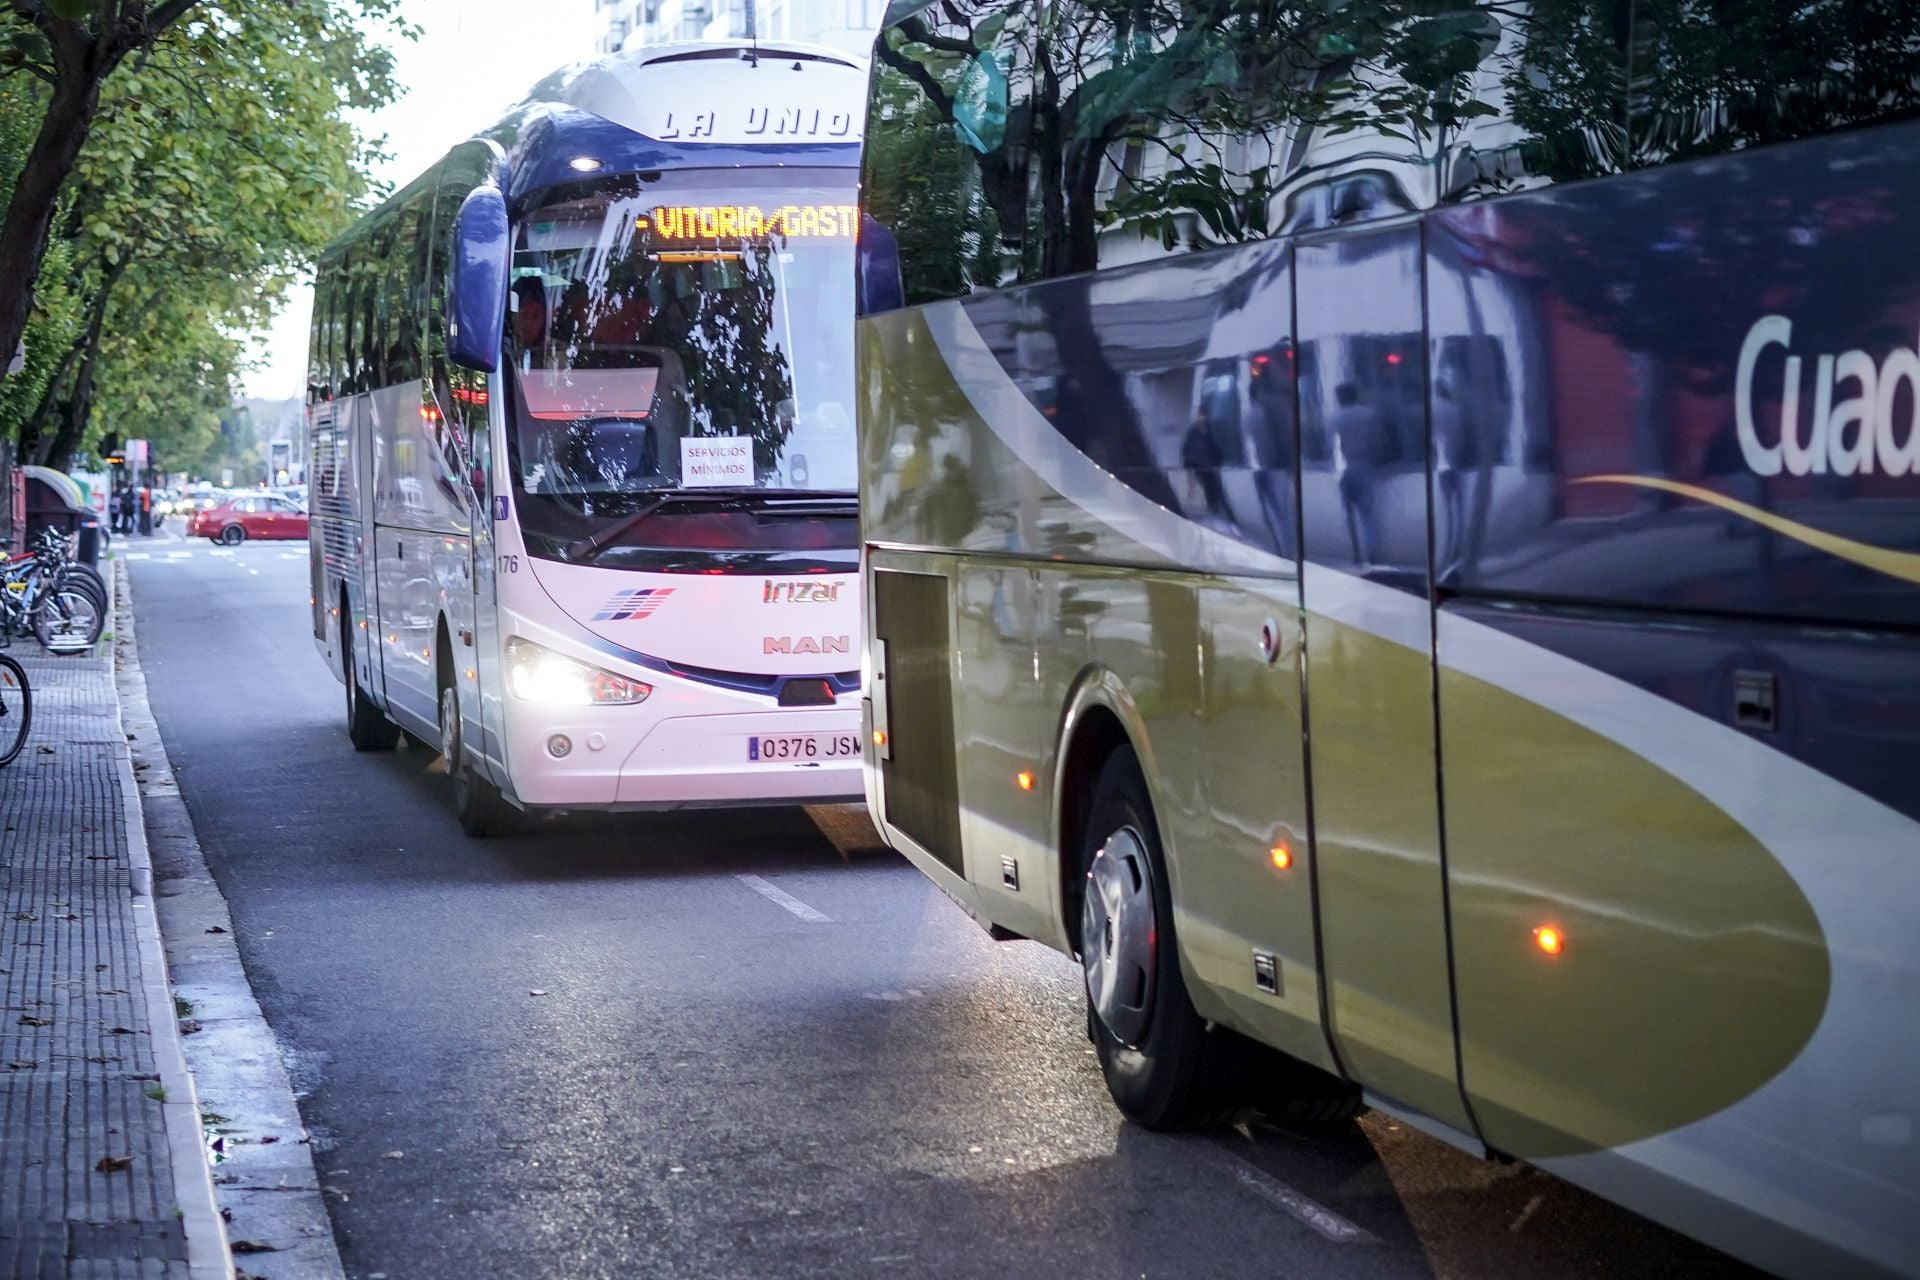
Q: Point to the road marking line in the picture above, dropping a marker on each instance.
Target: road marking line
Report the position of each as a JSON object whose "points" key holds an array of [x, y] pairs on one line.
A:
{"points": [[774, 893], [139, 555], [1311, 1212]]}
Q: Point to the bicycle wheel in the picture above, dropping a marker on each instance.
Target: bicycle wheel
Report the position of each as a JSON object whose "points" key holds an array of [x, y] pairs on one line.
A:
{"points": [[68, 621], [16, 709]]}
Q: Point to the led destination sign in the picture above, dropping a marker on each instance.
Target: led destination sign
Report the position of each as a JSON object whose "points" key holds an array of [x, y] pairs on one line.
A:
{"points": [[692, 223]]}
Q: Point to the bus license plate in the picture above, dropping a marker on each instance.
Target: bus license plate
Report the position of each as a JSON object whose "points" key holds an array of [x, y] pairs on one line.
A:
{"points": [[803, 746]]}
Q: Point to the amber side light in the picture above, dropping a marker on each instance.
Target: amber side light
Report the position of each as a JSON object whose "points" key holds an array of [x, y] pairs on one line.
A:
{"points": [[879, 737], [1282, 856], [1025, 780], [1549, 939]]}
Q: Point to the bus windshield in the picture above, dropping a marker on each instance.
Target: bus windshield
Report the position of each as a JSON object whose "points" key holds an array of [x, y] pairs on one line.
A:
{"points": [[678, 335]]}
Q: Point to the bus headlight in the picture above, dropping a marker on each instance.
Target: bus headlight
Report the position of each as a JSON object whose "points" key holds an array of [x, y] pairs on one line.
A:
{"points": [[538, 674]]}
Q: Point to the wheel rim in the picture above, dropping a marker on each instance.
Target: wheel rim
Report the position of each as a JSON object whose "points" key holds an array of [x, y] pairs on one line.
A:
{"points": [[450, 744], [1117, 936]]}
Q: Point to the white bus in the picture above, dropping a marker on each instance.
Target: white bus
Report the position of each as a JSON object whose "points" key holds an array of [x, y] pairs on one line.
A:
{"points": [[581, 443]]}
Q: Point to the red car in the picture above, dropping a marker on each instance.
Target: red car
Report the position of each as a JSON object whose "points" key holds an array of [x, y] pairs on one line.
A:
{"points": [[253, 515]]}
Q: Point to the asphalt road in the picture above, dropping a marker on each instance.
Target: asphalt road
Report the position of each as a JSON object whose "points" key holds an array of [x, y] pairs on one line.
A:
{"points": [[709, 1084]]}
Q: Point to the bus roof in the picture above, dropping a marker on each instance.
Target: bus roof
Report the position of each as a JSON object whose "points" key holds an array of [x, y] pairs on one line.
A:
{"points": [[693, 104]]}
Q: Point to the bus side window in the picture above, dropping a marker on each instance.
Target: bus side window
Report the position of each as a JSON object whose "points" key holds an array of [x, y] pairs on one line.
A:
{"points": [[337, 296], [948, 153], [398, 297], [1818, 67], [318, 391]]}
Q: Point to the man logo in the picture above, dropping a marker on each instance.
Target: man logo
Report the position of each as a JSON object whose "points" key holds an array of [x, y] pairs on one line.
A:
{"points": [[805, 644], [640, 602]]}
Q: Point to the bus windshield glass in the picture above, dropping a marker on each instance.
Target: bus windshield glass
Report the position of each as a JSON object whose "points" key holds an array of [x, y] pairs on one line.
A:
{"points": [[683, 336]]}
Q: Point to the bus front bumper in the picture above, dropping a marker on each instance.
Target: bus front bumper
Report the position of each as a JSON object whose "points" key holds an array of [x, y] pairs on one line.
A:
{"points": [[692, 761]]}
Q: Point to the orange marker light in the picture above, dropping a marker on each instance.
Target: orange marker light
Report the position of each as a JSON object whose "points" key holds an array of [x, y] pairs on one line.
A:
{"points": [[1282, 856], [879, 737], [1549, 939], [1025, 780]]}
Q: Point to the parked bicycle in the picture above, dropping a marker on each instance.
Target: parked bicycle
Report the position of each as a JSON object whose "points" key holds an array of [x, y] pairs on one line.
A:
{"points": [[16, 709], [48, 594]]}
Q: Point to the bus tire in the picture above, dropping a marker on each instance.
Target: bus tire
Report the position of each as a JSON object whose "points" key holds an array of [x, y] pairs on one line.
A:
{"points": [[367, 726], [1166, 1067], [482, 810]]}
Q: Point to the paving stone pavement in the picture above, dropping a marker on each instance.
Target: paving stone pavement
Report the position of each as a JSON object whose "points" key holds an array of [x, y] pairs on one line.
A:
{"points": [[77, 1054]]}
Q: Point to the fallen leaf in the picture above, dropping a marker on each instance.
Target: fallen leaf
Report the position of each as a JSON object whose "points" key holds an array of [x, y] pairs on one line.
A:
{"points": [[113, 1164], [23, 1064], [28, 916], [214, 928], [269, 1139], [103, 1060], [119, 1031], [46, 751], [100, 968], [394, 1155], [536, 993], [28, 1020], [188, 1026], [253, 1246], [69, 916]]}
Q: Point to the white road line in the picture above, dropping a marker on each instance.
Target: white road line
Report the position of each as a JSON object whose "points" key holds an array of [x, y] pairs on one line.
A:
{"points": [[139, 555], [1314, 1214], [774, 893]]}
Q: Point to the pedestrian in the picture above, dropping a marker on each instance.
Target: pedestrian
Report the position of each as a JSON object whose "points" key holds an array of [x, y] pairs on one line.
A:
{"points": [[123, 510], [146, 511], [1367, 450]]}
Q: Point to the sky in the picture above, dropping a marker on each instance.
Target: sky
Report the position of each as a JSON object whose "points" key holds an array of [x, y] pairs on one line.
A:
{"points": [[505, 45]]}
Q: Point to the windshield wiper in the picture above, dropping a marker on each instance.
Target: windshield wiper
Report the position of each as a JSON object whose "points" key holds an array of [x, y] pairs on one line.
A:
{"points": [[788, 502]]}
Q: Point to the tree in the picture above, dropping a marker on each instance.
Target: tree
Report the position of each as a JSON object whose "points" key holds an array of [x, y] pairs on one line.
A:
{"points": [[72, 45], [220, 164]]}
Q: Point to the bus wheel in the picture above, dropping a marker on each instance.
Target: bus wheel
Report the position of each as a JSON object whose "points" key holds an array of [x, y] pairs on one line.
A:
{"points": [[367, 727], [1165, 1066], [482, 810]]}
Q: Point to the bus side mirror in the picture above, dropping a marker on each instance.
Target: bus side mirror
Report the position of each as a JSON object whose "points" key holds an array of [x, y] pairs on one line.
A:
{"points": [[477, 286]]}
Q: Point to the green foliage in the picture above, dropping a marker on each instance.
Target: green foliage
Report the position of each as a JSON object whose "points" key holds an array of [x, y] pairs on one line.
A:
{"points": [[223, 159]]}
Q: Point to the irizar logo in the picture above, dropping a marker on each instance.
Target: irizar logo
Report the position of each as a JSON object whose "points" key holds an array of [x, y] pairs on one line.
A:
{"points": [[1846, 436], [805, 644], [799, 592], [639, 602]]}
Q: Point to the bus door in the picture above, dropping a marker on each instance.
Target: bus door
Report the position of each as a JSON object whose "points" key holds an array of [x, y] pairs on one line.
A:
{"points": [[1379, 870], [355, 423], [480, 653]]}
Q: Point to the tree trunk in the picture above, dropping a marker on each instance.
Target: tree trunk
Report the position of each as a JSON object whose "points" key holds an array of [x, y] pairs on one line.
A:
{"points": [[23, 234], [51, 448]]}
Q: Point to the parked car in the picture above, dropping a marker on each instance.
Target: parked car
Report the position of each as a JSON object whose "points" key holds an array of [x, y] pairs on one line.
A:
{"points": [[253, 515], [295, 493]]}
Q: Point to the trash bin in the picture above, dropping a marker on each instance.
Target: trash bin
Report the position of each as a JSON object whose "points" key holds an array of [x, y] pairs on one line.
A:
{"points": [[52, 504]]}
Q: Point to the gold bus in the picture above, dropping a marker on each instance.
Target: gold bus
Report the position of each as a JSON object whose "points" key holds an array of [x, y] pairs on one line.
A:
{"points": [[1392, 532]]}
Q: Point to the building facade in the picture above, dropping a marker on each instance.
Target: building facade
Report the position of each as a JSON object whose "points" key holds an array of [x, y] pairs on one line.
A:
{"points": [[847, 25]]}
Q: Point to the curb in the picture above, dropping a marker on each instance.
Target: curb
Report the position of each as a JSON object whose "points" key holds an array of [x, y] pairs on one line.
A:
{"points": [[267, 1186], [208, 1257]]}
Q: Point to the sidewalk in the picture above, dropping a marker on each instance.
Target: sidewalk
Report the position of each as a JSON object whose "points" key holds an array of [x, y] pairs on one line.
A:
{"points": [[102, 1171]]}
